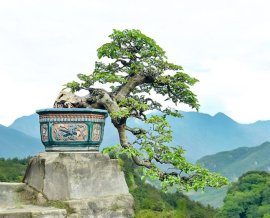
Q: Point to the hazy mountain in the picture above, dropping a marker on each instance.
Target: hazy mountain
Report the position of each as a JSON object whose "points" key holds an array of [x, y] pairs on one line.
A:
{"points": [[233, 164], [200, 134], [14, 143], [28, 125], [210, 196]]}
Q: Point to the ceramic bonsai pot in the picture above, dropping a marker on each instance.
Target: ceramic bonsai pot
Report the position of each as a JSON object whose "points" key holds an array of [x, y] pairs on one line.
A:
{"points": [[71, 129]]}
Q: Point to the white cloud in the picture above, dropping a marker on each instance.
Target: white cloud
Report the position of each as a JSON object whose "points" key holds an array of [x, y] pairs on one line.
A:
{"points": [[44, 44], [235, 89]]}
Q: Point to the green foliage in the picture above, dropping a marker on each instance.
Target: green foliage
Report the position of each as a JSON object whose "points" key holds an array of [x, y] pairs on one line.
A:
{"points": [[12, 170], [152, 202], [129, 53], [249, 197], [151, 144], [147, 213], [136, 68]]}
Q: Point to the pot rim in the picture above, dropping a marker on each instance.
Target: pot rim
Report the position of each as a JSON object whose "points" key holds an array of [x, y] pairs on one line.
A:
{"points": [[72, 110]]}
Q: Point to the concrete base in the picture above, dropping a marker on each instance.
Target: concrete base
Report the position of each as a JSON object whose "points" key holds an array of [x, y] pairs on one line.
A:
{"points": [[71, 149], [91, 183], [9, 194], [75, 175], [120, 206], [15, 199], [31, 211]]}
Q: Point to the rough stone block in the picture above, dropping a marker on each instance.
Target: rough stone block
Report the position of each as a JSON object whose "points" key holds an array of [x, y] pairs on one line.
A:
{"points": [[75, 175], [91, 183], [9, 194], [120, 206], [31, 211]]}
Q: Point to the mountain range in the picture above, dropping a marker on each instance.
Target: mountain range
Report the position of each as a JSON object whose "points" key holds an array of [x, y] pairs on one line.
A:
{"points": [[14, 143], [216, 142], [200, 134], [231, 164]]}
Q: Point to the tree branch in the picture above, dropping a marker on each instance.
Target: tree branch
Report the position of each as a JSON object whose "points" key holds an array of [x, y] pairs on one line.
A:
{"points": [[128, 87], [136, 131], [125, 144]]}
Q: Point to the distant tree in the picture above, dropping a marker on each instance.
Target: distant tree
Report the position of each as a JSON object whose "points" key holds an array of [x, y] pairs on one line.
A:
{"points": [[139, 76], [12, 170], [249, 197]]}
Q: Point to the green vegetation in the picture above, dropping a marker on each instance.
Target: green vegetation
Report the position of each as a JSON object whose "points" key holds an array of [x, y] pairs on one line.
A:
{"points": [[152, 202], [136, 68], [249, 197], [12, 170]]}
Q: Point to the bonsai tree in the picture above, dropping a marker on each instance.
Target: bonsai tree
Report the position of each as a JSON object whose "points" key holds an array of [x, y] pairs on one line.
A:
{"points": [[131, 78]]}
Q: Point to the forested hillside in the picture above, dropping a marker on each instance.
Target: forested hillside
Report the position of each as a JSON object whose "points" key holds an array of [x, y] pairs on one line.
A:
{"points": [[233, 164], [248, 197]]}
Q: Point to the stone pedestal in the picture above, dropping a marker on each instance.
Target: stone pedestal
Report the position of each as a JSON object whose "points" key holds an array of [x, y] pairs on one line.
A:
{"points": [[16, 202], [91, 183]]}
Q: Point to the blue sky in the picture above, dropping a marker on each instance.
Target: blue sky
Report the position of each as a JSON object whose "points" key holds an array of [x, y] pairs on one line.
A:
{"points": [[225, 44]]}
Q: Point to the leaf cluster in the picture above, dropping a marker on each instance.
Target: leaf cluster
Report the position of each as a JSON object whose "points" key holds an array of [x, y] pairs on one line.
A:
{"points": [[152, 144], [248, 197], [150, 201], [141, 78], [132, 53]]}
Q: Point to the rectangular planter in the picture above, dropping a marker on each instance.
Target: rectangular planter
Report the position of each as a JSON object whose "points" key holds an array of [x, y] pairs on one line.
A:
{"points": [[64, 129]]}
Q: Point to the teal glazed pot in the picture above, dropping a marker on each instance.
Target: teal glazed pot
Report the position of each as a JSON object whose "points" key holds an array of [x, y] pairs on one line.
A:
{"points": [[71, 129]]}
